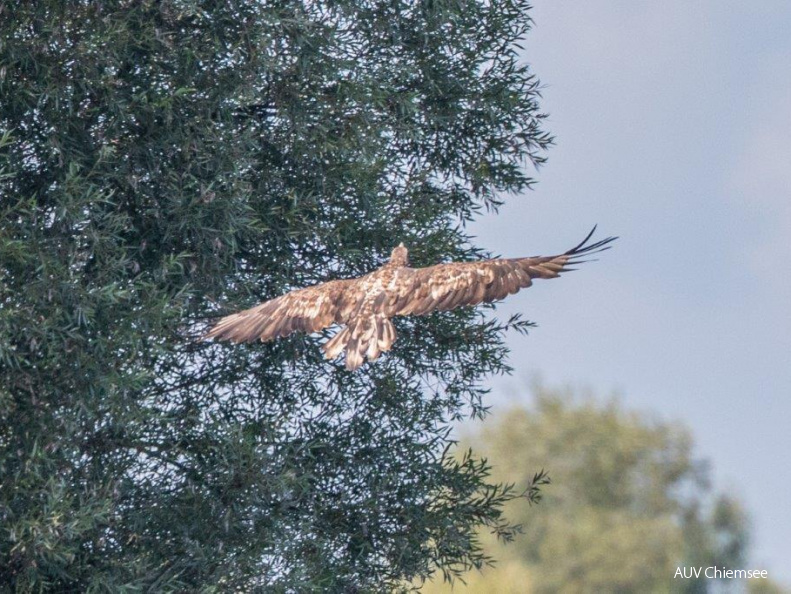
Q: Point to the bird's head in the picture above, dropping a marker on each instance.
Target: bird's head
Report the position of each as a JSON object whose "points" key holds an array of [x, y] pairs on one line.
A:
{"points": [[399, 256]]}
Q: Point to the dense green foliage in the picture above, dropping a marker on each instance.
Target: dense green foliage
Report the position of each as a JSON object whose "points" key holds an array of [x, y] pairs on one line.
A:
{"points": [[628, 503], [165, 162]]}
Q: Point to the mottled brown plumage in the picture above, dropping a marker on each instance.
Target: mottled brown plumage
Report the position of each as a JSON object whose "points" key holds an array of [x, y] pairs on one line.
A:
{"points": [[364, 305]]}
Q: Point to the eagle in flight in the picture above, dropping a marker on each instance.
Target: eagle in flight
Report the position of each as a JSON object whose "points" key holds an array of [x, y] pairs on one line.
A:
{"points": [[363, 306]]}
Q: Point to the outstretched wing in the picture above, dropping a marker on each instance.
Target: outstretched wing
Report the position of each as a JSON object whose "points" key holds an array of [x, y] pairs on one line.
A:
{"points": [[446, 286], [304, 310]]}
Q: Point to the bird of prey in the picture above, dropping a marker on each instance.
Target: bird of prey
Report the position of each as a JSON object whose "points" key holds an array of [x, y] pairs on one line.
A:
{"points": [[364, 306]]}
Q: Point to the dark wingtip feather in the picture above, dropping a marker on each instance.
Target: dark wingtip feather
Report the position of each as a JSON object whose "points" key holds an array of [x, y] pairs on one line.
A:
{"points": [[593, 248]]}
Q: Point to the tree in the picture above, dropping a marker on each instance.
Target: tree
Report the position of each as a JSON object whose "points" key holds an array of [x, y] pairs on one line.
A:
{"points": [[166, 162], [628, 502]]}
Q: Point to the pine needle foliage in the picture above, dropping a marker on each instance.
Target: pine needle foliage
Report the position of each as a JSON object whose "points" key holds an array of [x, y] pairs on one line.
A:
{"points": [[166, 162]]}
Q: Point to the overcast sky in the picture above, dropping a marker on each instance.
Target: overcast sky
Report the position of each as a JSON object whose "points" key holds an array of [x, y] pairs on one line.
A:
{"points": [[673, 128]]}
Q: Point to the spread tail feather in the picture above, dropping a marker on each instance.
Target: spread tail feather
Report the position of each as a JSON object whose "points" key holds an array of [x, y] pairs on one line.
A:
{"points": [[364, 338], [335, 345]]}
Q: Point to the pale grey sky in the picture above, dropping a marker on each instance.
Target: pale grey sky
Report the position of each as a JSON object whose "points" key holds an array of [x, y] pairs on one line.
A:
{"points": [[673, 127]]}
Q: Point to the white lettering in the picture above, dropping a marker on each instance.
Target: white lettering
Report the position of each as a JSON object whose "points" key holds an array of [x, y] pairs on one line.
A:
{"points": [[720, 573]]}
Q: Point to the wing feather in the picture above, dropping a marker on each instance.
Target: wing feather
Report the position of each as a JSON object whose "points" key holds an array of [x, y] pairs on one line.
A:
{"points": [[304, 310], [447, 286]]}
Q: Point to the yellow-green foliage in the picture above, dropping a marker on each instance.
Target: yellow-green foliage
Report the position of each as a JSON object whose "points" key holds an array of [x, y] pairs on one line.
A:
{"points": [[628, 503]]}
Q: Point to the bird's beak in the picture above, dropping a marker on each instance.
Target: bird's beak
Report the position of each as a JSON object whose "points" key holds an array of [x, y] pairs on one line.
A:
{"points": [[401, 244]]}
